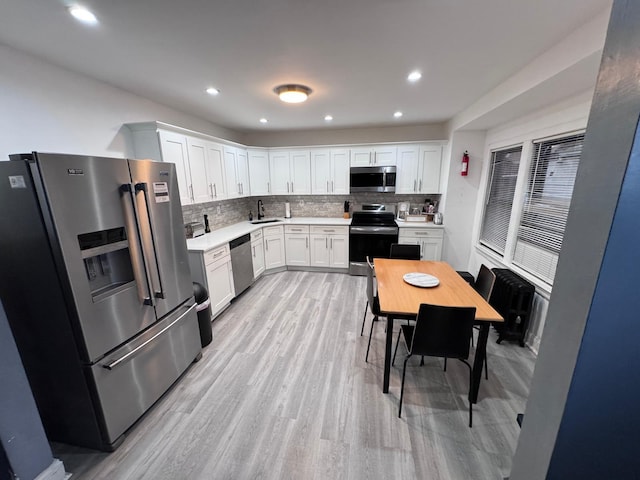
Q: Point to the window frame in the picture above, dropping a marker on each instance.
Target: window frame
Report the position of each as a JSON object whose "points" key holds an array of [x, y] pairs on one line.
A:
{"points": [[528, 145]]}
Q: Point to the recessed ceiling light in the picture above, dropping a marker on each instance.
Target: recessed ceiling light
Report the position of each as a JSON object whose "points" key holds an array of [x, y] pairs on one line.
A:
{"points": [[328, 118], [82, 14], [263, 120], [397, 114], [292, 93], [213, 91], [414, 76]]}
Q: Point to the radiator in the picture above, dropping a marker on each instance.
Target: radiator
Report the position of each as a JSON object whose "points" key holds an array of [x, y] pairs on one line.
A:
{"points": [[512, 297]]}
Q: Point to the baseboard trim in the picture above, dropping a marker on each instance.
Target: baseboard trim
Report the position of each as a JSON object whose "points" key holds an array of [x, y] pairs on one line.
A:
{"points": [[55, 471]]}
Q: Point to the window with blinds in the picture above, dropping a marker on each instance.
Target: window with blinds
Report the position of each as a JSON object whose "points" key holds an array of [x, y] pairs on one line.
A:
{"points": [[501, 188], [546, 205]]}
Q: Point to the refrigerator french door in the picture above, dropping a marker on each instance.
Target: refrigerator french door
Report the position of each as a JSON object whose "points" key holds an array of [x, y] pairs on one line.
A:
{"points": [[94, 277]]}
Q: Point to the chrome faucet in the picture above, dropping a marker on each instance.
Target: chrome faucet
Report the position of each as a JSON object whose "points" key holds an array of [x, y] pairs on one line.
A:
{"points": [[260, 210]]}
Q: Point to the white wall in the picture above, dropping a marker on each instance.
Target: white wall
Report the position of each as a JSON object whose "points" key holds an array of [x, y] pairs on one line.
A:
{"points": [[47, 108], [461, 196], [328, 136], [567, 116]]}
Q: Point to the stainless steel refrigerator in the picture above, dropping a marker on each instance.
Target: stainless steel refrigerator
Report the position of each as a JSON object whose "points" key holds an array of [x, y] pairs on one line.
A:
{"points": [[95, 279]]}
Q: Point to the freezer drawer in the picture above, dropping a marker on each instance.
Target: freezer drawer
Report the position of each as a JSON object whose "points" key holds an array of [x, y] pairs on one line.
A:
{"points": [[131, 379]]}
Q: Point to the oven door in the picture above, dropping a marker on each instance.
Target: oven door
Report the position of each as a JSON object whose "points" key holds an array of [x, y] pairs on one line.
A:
{"points": [[369, 241]]}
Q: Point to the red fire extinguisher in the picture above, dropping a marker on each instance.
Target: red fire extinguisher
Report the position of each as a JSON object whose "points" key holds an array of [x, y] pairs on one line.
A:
{"points": [[465, 164]]}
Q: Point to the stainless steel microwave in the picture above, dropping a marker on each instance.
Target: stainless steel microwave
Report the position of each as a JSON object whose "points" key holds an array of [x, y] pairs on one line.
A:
{"points": [[372, 179]]}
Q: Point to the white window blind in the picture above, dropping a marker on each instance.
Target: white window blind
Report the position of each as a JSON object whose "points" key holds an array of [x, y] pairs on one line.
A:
{"points": [[501, 188], [546, 206]]}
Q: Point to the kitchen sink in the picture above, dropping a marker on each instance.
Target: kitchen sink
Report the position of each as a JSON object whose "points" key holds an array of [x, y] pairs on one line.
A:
{"points": [[266, 220]]}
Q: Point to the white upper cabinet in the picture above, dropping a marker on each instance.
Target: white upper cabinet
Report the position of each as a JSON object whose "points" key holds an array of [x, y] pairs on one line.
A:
{"points": [[259, 179], [279, 169], [207, 171], [173, 148], [407, 169], [430, 168], [419, 169], [237, 172], [330, 171], [215, 171], [290, 172], [199, 162], [374, 156]]}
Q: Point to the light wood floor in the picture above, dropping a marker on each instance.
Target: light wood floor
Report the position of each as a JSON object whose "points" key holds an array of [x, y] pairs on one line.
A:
{"points": [[283, 392]]}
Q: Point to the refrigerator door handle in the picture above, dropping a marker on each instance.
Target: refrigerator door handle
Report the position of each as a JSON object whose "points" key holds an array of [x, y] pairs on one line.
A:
{"points": [[143, 187], [140, 273], [118, 361]]}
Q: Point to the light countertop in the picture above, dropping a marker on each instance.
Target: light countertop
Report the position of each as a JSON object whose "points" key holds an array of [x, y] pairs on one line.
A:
{"points": [[224, 235]]}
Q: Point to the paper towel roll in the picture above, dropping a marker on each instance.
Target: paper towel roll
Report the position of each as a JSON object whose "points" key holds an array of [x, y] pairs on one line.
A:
{"points": [[287, 210]]}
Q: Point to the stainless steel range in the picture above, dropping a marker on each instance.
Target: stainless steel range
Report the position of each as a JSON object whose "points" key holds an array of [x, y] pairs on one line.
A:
{"points": [[373, 229]]}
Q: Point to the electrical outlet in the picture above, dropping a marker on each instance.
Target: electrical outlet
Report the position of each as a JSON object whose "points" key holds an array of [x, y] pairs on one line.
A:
{"points": [[218, 209]]}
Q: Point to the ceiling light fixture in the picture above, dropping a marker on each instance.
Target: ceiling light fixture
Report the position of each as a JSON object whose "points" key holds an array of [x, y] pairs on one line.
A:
{"points": [[328, 118], [263, 120], [292, 93], [397, 114], [82, 14], [414, 76], [213, 91]]}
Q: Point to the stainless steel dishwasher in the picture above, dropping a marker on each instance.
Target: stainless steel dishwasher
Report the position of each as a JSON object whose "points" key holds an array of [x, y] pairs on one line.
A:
{"points": [[241, 263]]}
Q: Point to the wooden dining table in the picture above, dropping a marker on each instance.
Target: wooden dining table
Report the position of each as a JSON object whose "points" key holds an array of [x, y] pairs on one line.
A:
{"points": [[399, 299]]}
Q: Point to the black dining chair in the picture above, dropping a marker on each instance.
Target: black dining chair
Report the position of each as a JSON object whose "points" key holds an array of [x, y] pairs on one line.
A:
{"points": [[402, 251], [372, 305], [484, 286], [442, 332]]}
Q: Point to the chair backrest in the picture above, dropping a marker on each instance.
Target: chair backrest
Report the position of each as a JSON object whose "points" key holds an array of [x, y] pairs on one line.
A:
{"points": [[370, 288], [484, 282], [443, 331], [403, 251]]}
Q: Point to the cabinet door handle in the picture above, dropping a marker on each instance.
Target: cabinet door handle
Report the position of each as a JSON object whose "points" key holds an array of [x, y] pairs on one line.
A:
{"points": [[331, 244], [307, 239], [254, 252], [266, 245], [332, 186], [414, 185], [420, 186], [326, 242], [291, 187], [328, 186], [268, 187], [211, 190], [191, 192], [287, 187], [375, 160]]}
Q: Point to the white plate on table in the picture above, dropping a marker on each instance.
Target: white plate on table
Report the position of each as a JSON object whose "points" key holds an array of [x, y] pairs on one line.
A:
{"points": [[423, 280]]}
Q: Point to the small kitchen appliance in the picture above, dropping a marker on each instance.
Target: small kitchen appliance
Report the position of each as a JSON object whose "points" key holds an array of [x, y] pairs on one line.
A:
{"points": [[194, 229], [403, 210]]}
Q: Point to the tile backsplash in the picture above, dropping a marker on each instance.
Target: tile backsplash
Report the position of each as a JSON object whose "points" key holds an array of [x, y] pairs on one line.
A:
{"points": [[227, 212]]}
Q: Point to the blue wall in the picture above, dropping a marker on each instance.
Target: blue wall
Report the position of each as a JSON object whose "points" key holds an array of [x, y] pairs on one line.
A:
{"points": [[599, 435], [22, 438]]}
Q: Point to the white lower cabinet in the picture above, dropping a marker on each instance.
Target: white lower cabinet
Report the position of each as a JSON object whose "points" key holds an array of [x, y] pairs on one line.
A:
{"points": [[213, 270], [329, 246], [274, 256], [297, 245], [429, 239], [257, 252]]}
